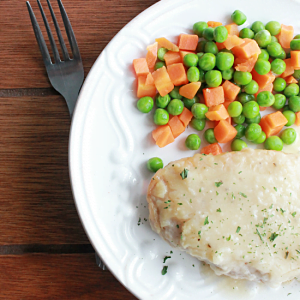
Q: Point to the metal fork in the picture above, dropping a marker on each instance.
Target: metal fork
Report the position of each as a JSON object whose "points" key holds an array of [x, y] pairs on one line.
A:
{"points": [[66, 76]]}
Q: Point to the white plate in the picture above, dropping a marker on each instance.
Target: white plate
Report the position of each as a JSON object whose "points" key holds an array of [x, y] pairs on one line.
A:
{"points": [[110, 143]]}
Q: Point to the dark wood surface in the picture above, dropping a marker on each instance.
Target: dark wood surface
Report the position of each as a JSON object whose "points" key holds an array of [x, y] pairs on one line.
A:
{"points": [[44, 252]]}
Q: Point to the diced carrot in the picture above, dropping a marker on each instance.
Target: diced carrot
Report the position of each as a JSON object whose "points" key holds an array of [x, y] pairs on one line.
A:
{"points": [[213, 96], [176, 126], [188, 42], [140, 66], [213, 149], [162, 81], [285, 36], [295, 59], [228, 120], [232, 29], [246, 50], [224, 132], [230, 90], [144, 90], [190, 90], [151, 55], [226, 104], [289, 68], [213, 24], [163, 42], [297, 121], [177, 74], [149, 79], [186, 116], [291, 79], [233, 41], [184, 53], [172, 58], [267, 129], [273, 123], [163, 136], [217, 113], [220, 46], [245, 65], [268, 88], [263, 80]]}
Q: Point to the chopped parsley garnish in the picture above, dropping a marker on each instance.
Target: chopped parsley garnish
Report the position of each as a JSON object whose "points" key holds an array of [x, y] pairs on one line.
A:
{"points": [[184, 173], [216, 164], [242, 194], [240, 172], [263, 187], [298, 251], [218, 184], [273, 236], [283, 211], [179, 203], [166, 257], [199, 233], [238, 229], [177, 226], [190, 200], [259, 235], [286, 254], [293, 214], [271, 206], [265, 220], [219, 210], [206, 221], [199, 190], [164, 270], [228, 239], [275, 188], [217, 193]]}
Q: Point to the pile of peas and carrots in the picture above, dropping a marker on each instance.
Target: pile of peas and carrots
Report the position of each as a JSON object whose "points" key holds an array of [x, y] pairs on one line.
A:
{"points": [[223, 77]]}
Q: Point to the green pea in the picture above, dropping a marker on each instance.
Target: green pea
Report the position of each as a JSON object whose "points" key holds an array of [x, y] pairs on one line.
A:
{"points": [[294, 103], [239, 119], [290, 116], [257, 26], [199, 27], [238, 145], [145, 104], [193, 142], [211, 47], [175, 93], [210, 136], [253, 120], [264, 55], [279, 101], [261, 139], [246, 33], [188, 103], [161, 53], [240, 131], [213, 78], [198, 124], [295, 44], [199, 55], [175, 107], [154, 164], [220, 34], [191, 60], [282, 55], [162, 101], [238, 17], [193, 74], [226, 50], [224, 61], [296, 37], [262, 67], [250, 109], [274, 143], [159, 65], [291, 90], [288, 136], [161, 116], [207, 61], [253, 132], [244, 98], [273, 27], [278, 66], [199, 110], [227, 74], [296, 74], [279, 84], [265, 99], [263, 38], [274, 39], [274, 49], [235, 109], [208, 33], [200, 46], [242, 78], [251, 88], [201, 78]]}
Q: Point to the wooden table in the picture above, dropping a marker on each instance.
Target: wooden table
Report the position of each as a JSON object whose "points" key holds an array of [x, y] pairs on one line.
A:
{"points": [[44, 252]]}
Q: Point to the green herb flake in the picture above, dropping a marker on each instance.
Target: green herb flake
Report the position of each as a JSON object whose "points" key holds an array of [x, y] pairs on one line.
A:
{"points": [[293, 214], [164, 270], [166, 257], [286, 254], [199, 233], [206, 221], [228, 239], [259, 235], [199, 190], [271, 206], [216, 164], [219, 210], [217, 193], [275, 188], [238, 229], [179, 203], [283, 211], [177, 226], [218, 184], [298, 251], [273, 236], [263, 187], [184, 173], [240, 172], [243, 195]]}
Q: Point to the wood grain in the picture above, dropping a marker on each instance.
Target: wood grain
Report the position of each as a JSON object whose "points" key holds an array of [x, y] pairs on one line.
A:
{"points": [[95, 22], [67, 276]]}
